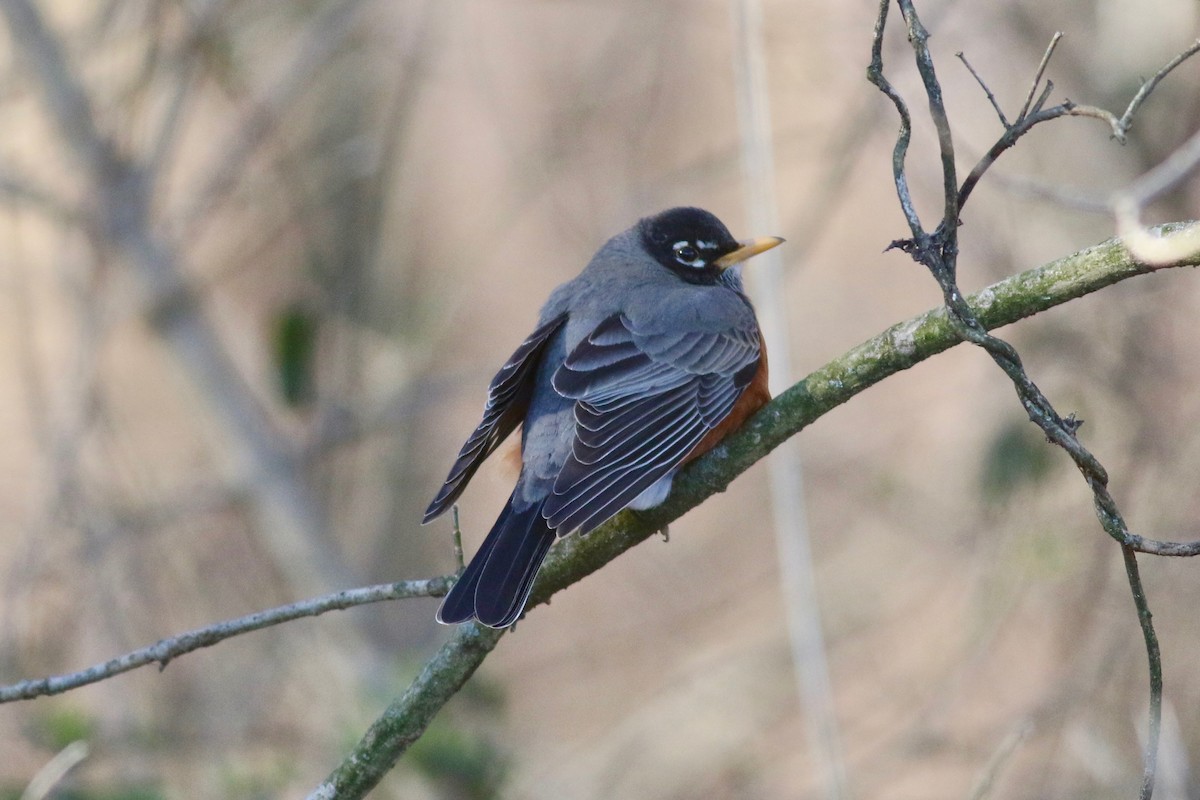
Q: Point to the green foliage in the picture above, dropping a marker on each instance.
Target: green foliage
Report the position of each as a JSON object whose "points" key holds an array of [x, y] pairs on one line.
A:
{"points": [[295, 350], [113, 793], [59, 726], [1018, 455], [131, 792], [463, 764]]}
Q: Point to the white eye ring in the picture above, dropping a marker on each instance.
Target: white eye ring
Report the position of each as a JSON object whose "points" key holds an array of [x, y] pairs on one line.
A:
{"points": [[687, 254]]}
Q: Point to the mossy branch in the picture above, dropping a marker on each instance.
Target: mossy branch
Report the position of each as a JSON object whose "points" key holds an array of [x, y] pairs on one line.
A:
{"points": [[899, 347]]}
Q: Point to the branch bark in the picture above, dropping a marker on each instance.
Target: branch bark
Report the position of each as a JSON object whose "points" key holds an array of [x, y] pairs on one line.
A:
{"points": [[164, 651], [899, 347]]}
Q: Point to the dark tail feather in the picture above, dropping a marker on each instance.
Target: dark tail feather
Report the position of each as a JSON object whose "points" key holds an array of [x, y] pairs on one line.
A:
{"points": [[459, 603], [495, 586]]}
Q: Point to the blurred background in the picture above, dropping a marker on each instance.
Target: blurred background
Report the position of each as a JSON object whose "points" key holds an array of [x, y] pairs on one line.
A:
{"points": [[260, 261]]}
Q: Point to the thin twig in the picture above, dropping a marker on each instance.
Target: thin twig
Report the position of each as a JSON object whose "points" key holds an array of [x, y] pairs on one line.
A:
{"points": [[1047, 90], [54, 770], [988, 92], [900, 151], [165, 650], [1002, 755], [918, 37], [1102, 114], [456, 538], [1035, 115], [1037, 77], [1126, 120], [1154, 657]]}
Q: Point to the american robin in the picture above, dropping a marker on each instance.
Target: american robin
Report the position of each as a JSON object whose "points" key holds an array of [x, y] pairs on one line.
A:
{"points": [[640, 364]]}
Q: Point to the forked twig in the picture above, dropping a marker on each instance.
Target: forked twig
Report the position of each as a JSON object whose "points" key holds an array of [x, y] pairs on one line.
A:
{"points": [[938, 251], [1037, 77]]}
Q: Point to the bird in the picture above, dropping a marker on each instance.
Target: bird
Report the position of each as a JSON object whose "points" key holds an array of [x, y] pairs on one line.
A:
{"points": [[640, 364]]}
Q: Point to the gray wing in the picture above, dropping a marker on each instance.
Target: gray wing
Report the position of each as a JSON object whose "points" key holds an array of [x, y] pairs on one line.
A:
{"points": [[507, 401], [643, 403]]}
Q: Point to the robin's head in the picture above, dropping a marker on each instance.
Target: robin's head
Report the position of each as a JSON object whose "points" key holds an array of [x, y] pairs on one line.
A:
{"points": [[695, 245]]}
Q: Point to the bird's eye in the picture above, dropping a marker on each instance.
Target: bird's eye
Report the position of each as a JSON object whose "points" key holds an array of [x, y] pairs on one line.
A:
{"points": [[687, 254]]}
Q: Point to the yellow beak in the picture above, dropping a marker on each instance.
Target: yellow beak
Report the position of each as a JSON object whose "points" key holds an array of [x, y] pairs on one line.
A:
{"points": [[749, 248]]}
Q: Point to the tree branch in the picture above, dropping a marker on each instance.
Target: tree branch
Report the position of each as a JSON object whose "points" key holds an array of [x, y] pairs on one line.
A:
{"points": [[900, 151], [120, 215], [938, 252], [1154, 657], [1032, 113], [897, 348], [166, 650]]}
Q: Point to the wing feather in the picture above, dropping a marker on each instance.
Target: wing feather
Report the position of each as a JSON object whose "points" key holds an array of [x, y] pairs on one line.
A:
{"points": [[602, 493], [644, 400], [507, 401]]}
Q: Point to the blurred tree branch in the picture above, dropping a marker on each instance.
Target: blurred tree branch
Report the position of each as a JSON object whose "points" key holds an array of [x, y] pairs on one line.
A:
{"points": [[231, 156], [118, 212]]}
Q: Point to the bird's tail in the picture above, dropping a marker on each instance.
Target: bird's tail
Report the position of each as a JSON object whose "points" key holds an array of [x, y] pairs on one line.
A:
{"points": [[495, 586]]}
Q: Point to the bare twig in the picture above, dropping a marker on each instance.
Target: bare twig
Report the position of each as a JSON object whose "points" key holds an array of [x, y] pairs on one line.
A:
{"points": [[456, 538], [1037, 76], [165, 650], [991, 771], [1154, 659], [900, 151], [1181, 162], [918, 37], [1120, 125], [938, 251], [1126, 120], [991, 97], [52, 773]]}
